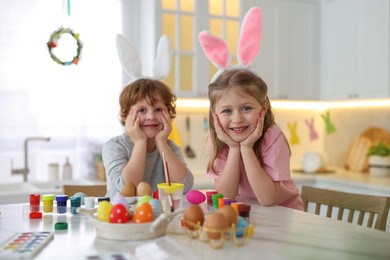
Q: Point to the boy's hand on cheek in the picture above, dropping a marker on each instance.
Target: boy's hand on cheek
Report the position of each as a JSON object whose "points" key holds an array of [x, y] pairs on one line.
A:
{"points": [[166, 126], [132, 128]]}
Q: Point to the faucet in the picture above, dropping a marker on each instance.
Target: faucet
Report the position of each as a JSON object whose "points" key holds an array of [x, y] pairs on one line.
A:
{"points": [[26, 170]]}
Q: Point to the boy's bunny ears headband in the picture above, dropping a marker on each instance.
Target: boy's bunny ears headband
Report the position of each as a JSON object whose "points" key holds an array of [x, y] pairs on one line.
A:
{"points": [[132, 65], [217, 51]]}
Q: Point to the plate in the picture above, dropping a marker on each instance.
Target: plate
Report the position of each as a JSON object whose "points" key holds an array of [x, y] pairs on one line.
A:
{"points": [[311, 162]]}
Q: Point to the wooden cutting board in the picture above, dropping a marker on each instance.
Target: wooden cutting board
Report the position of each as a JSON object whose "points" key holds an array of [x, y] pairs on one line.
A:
{"points": [[376, 135], [356, 157]]}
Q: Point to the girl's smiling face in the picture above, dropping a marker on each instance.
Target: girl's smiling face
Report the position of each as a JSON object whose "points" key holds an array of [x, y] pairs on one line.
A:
{"points": [[150, 117], [238, 113]]}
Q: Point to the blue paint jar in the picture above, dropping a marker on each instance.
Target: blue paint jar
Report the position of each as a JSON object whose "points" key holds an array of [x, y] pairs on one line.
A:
{"points": [[75, 202], [61, 203]]}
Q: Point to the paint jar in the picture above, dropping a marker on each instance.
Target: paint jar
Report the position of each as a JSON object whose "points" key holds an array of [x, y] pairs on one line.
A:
{"points": [[89, 202], [170, 196], [215, 198], [75, 202], [61, 203], [35, 200], [209, 196], [48, 202], [100, 199], [244, 210]]}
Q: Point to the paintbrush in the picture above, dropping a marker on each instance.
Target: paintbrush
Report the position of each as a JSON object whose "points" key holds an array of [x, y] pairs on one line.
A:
{"points": [[168, 182]]}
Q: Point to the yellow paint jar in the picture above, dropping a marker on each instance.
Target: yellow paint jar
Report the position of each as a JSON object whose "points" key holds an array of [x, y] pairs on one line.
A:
{"points": [[48, 202]]}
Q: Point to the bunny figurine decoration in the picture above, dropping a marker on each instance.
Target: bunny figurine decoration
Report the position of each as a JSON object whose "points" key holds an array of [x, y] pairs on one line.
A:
{"points": [[132, 65], [217, 51]]}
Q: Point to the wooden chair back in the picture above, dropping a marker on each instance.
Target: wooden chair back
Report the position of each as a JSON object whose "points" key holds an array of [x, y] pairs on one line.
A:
{"points": [[370, 211], [98, 190]]}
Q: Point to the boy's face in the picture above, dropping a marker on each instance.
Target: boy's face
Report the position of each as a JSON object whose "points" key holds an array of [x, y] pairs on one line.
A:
{"points": [[238, 114], [150, 117]]}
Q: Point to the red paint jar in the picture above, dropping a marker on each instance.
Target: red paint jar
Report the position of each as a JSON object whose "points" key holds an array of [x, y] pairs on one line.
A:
{"points": [[35, 200]]}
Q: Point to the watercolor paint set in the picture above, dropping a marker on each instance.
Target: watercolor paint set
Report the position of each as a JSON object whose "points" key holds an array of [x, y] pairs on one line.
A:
{"points": [[25, 245]]}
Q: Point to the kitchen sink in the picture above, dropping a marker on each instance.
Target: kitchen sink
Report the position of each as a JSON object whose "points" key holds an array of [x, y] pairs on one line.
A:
{"points": [[19, 192]]}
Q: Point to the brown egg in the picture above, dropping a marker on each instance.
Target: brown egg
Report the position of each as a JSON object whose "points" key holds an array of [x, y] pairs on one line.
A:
{"points": [[193, 215], [128, 190], [143, 188], [215, 225], [230, 213]]}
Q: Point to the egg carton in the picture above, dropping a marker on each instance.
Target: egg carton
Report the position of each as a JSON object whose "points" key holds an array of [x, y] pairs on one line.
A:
{"points": [[130, 231], [218, 237]]}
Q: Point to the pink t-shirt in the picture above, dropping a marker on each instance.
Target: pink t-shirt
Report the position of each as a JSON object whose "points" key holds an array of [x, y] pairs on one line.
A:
{"points": [[276, 162]]}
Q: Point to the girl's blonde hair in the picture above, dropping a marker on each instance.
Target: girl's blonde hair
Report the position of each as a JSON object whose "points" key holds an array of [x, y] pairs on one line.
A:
{"points": [[152, 91], [247, 83]]}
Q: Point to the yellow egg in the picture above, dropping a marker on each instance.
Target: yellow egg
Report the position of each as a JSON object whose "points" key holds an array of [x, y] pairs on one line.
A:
{"points": [[216, 224], [143, 188], [193, 216], [230, 213], [103, 211], [129, 190]]}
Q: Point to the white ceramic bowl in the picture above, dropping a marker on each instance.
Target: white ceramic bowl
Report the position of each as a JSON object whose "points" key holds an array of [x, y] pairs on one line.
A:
{"points": [[130, 231]]}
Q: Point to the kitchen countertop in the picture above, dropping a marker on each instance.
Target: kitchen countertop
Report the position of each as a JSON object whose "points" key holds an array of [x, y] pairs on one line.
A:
{"points": [[279, 233], [340, 177]]}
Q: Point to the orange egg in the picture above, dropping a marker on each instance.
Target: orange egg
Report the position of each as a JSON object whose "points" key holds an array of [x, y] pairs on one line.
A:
{"points": [[216, 224], [129, 190], [143, 213], [193, 215], [230, 213], [143, 188]]}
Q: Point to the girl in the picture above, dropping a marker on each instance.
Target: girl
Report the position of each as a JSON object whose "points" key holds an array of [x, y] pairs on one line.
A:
{"points": [[249, 155], [147, 107]]}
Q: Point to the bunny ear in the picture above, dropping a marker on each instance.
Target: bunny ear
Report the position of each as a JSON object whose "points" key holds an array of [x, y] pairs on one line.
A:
{"points": [[250, 37], [162, 63], [128, 57], [215, 49]]}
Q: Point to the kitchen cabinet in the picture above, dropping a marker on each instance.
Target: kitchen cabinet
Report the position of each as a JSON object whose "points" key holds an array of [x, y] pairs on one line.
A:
{"points": [[355, 56], [289, 55]]}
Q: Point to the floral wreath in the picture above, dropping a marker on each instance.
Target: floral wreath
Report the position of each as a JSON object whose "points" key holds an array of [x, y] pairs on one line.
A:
{"points": [[53, 43]]}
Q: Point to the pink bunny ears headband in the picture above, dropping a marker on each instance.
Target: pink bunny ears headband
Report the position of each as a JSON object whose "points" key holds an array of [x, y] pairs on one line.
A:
{"points": [[132, 64], [217, 51]]}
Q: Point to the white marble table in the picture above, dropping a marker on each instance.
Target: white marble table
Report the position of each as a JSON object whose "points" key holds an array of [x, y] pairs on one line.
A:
{"points": [[280, 233]]}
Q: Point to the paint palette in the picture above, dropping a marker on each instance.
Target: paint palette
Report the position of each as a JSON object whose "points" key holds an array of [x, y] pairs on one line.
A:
{"points": [[25, 245]]}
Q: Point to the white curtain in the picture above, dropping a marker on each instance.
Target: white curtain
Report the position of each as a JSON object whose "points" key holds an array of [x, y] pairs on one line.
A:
{"points": [[76, 105]]}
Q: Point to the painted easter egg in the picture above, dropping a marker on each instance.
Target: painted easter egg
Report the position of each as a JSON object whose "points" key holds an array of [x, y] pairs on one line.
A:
{"points": [[242, 224], [143, 213], [195, 197], [120, 199], [103, 211], [143, 199], [119, 214], [156, 207]]}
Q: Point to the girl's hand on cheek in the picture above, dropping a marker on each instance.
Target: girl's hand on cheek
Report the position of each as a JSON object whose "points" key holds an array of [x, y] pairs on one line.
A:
{"points": [[132, 128], [257, 132], [221, 134], [166, 126]]}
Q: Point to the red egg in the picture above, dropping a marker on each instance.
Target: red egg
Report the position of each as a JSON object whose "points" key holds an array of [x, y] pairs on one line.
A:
{"points": [[195, 197], [119, 214], [143, 213]]}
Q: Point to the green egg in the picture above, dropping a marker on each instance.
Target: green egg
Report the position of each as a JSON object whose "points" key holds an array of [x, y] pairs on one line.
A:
{"points": [[145, 198]]}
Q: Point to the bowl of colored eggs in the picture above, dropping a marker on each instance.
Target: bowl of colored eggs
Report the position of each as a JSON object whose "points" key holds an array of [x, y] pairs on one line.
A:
{"points": [[116, 221]]}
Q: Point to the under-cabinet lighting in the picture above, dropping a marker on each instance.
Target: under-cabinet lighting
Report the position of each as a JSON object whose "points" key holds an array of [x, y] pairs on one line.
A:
{"points": [[189, 105]]}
